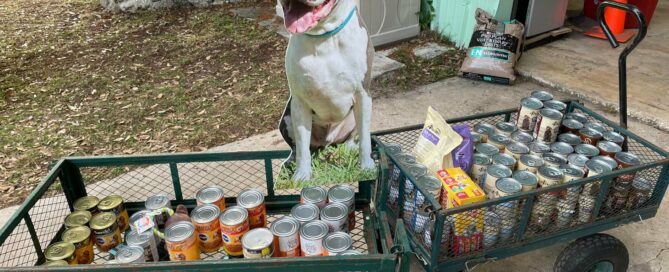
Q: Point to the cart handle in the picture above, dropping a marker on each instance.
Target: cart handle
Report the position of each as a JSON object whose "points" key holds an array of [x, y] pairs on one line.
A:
{"points": [[622, 59]]}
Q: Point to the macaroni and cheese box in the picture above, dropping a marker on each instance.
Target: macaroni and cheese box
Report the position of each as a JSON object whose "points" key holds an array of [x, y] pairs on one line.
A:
{"points": [[459, 190]]}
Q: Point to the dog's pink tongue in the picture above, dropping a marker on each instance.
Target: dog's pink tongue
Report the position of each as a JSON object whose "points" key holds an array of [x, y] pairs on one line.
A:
{"points": [[299, 18]]}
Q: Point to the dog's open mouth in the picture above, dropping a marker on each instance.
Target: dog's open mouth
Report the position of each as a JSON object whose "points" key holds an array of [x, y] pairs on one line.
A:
{"points": [[302, 15]]}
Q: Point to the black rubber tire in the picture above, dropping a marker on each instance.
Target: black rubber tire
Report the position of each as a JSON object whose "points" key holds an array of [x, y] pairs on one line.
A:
{"points": [[582, 254]]}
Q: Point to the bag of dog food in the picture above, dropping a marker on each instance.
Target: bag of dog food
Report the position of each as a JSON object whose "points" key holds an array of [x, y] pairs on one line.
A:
{"points": [[436, 141], [464, 153], [493, 50]]}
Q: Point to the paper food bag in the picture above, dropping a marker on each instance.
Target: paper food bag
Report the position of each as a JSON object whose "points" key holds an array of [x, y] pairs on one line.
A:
{"points": [[435, 142]]}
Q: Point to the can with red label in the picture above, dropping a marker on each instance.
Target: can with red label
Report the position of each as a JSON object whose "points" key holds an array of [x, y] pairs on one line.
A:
{"points": [[254, 202]]}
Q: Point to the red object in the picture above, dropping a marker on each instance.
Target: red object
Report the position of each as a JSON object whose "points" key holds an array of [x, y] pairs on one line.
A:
{"points": [[615, 18], [646, 6]]}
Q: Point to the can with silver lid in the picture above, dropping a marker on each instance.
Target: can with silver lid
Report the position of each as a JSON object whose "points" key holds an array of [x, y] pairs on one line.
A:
{"points": [[578, 160], [516, 149], [505, 159], [506, 187], [114, 203], [586, 206], [479, 166], [77, 218], [476, 137], [311, 238], [577, 116], [615, 137], [336, 243], [554, 159], [160, 204], [80, 237], [55, 263], [493, 173], [87, 203], [569, 196], [206, 221], [485, 130], [415, 170], [431, 185], [527, 179], [305, 212], [587, 149], [571, 139], [317, 195], [130, 254], [286, 237], [491, 226], [500, 141], [571, 126], [181, 242], [530, 163], [596, 126], [350, 252], [393, 149], [420, 220], [639, 193], [486, 149], [549, 176], [335, 214], [572, 172], [234, 224], [211, 195], [548, 125], [608, 160], [505, 128], [254, 202], [542, 95], [105, 230], [538, 148], [258, 244], [607, 148], [589, 135], [595, 167], [143, 240], [561, 148], [344, 194], [528, 113], [60, 251], [523, 137], [556, 105], [626, 160]]}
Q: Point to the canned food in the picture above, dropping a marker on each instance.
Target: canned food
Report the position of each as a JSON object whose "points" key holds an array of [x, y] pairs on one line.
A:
{"points": [[206, 221], [577, 116], [542, 95], [528, 113], [500, 141], [336, 216], [286, 237], [114, 203], [105, 230], [318, 195], [523, 137], [530, 163], [492, 223], [258, 244], [564, 217], [554, 159], [596, 126], [493, 173], [563, 149], [608, 160], [505, 159], [527, 179], [56, 263], [506, 230], [479, 166], [485, 130], [344, 194], [587, 150], [595, 167], [143, 240], [391, 148], [538, 148], [87, 203], [234, 224], [138, 215], [486, 149], [639, 193], [408, 214], [80, 237], [407, 159], [159, 204], [516, 149], [445, 234], [420, 220], [556, 105], [350, 252], [432, 186], [505, 128], [571, 139], [305, 213], [578, 160], [589, 135], [254, 202], [476, 137], [415, 171], [617, 198], [211, 195], [181, 242], [586, 206], [336, 243], [548, 125], [61, 251], [549, 176], [626, 160], [311, 238], [130, 254], [506, 187], [77, 218], [607, 148], [615, 137], [572, 172], [571, 126]]}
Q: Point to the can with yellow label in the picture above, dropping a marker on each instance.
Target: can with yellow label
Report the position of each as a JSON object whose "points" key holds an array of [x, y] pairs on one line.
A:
{"points": [[114, 203], [60, 251], [211, 195], [77, 218], [205, 219], [234, 224], [254, 202], [258, 244], [80, 237], [105, 230], [181, 242], [87, 203]]}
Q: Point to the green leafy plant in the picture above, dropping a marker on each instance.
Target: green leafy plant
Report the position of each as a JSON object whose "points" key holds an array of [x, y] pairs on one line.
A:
{"points": [[426, 14]]}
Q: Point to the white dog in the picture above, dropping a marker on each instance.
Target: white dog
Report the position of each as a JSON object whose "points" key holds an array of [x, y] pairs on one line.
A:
{"points": [[329, 65]]}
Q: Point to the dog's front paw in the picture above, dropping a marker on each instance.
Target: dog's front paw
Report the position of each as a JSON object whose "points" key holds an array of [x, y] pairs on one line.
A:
{"points": [[302, 174], [367, 163]]}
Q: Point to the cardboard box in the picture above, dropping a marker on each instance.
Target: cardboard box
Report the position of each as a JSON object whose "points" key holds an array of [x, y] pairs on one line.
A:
{"points": [[459, 190]]}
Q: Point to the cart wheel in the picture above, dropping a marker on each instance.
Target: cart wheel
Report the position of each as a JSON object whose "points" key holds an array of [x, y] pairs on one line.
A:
{"points": [[594, 253]]}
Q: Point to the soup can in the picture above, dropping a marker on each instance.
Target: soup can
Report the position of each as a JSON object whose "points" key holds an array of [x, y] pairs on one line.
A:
{"points": [[626, 160], [500, 141], [336, 243], [258, 244], [493, 173], [556, 105], [87, 203], [539, 148], [130, 254], [486, 149], [549, 176], [522, 137], [143, 240], [345, 195], [336, 216], [542, 95], [528, 113], [505, 128], [571, 139], [607, 148], [311, 238], [206, 221], [589, 135], [181, 242], [516, 149], [159, 204], [571, 126], [61, 251], [305, 213], [578, 160], [234, 224], [80, 237], [615, 137], [254, 202], [318, 195], [587, 150], [530, 163], [105, 230], [430, 184], [608, 160], [527, 179], [286, 237], [561, 148], [350, 252], [572, 172], [77, 218], [506, 187], [596, 126], [476, 138], [479, 166], [114, 203], [554, 159], [505, 159], [577, 116], [485, 130], [548, 125], [211, 195]]}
